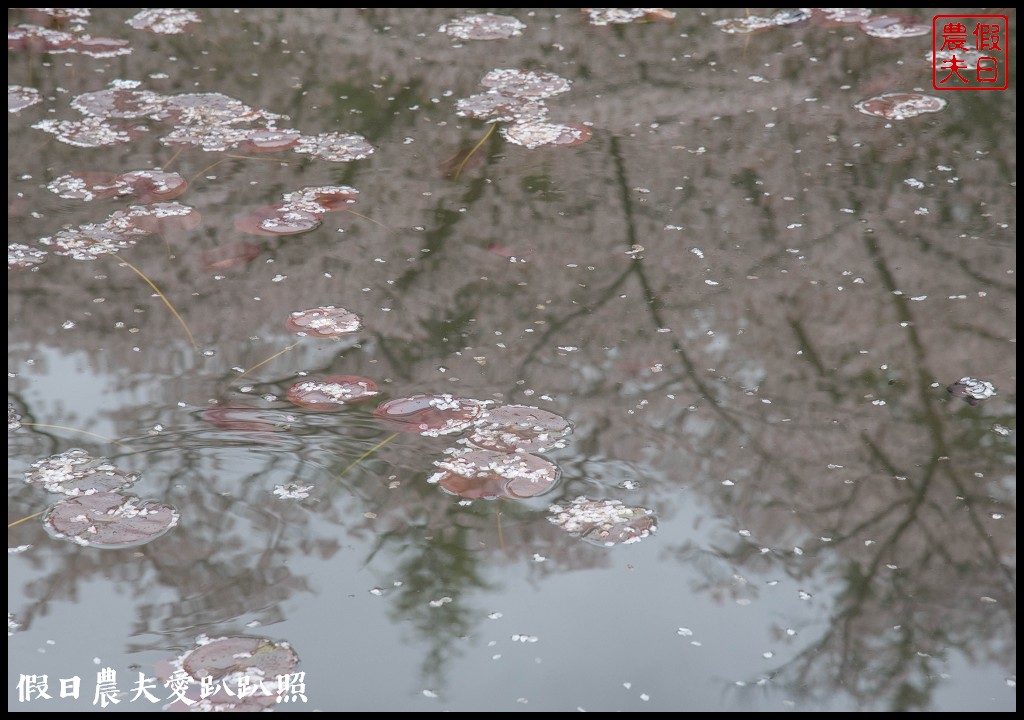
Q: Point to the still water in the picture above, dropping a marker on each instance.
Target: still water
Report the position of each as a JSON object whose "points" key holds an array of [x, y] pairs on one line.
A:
{"points": [[770, 337]]}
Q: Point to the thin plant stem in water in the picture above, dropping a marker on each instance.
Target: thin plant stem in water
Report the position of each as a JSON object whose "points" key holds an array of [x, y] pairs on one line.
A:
{"points": [[501, 534], [367, 217], [173, 158], [163, 297], [261, 363], [83, 432], [18, 522], [458, 170], [366, 454], [210, 167]]}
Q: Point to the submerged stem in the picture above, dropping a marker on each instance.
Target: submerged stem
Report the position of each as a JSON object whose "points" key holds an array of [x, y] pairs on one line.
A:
{"points": [[83, 432], [458, 170], [163, 297]]}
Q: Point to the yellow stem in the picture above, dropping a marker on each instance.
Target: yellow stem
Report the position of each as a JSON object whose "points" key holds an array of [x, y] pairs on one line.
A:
{"points": [[367, 454], [18, 522], [163, 297], [458, 170], [272, 357], [83, 432], [367, 217]]}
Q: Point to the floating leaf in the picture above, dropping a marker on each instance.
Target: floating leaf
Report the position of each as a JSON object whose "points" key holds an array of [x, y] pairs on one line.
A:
{"points": [[101, 47], [87, 133], [20, 97], [252, 656], [525, 83], [321, 198], [278, 220], [332, 392], [840, 16], [13, 418], [227, 256], [109, 520], [603, 522], [541, 134], [119, 102], [164, 21], [157, 217], [335, 147], [246, 419], [324, 322], [493, 106], [972, 391], [260, 140], [153, 185], [147, 185], [894, 27], [91, 241], [430, 415], [20, 257], [519, 428], [900, 106], [744, 25], [75, 472], [621, 16], [37, 39], [86, 186], [486, 26], [487, 474]]}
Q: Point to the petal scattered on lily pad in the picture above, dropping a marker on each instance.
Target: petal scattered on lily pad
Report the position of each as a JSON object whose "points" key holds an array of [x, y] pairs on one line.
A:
{"points": [[164, 21], [324, 322], [543, 134], [75, 472], [603, 522], [21, 256], [487, 474], [621, 16], [485, 26], [519, 428], [537, 85], [431, 415], [335, 147], [972, 391], [332, 393], [109, 520], [900, 106], [20, 97], [253, 656]]}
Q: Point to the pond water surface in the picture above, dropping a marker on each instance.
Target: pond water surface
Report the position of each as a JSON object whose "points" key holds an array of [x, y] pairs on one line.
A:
{"points": [[666, 376]]}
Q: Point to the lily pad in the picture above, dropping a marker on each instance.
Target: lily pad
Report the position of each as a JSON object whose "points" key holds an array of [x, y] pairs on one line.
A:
{"points": [[972, 391], [519, 428], [109, 520], [75, 472], [430, 415], [487, 474], [220, 657], [331, 393], [324, 322], [603, 522]]}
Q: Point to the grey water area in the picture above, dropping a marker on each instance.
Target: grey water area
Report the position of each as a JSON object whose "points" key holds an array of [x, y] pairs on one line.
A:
{"points": [[761, 310]]}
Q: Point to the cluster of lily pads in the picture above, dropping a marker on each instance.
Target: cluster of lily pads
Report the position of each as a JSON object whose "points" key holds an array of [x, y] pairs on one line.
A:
{"points": [[94, 512], [213, 122], [498, 455], [880, 26], [65, 30], [516, 97]]}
